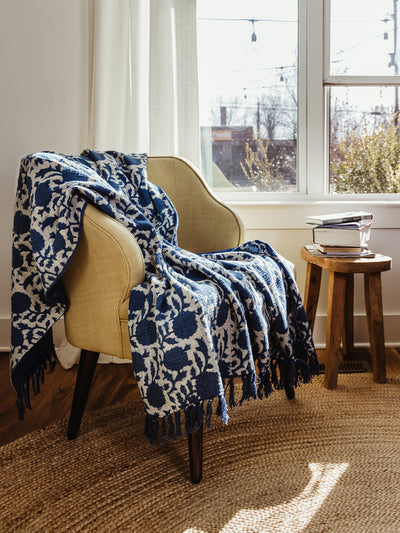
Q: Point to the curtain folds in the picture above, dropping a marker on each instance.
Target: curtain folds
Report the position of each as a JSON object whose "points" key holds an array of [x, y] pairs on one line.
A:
{"points": [[143, 89], [144, 84]]}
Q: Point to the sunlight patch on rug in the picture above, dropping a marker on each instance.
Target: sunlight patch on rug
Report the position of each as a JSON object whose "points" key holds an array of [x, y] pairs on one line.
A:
{"points": [[293, 516]]}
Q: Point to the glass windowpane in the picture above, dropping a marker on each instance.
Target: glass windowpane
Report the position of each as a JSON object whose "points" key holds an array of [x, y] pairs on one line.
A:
{"points": [[247, 53], [364, 140], [364, 35]]}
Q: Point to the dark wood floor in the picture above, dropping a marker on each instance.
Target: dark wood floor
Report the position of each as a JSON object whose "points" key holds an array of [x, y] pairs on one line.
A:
{"points": [[112, 383]]}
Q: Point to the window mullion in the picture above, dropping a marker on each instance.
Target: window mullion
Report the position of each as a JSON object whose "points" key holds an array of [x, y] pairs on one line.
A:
{"points": [[315, 99], [362, 81], [327, 37], [302, 99]]}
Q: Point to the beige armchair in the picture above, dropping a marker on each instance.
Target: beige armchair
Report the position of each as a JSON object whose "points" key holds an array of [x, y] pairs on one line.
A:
{"points": [[108, 263]]}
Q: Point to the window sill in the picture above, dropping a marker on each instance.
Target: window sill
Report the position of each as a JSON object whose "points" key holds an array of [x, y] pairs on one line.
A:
{"points": [[290, 214]]}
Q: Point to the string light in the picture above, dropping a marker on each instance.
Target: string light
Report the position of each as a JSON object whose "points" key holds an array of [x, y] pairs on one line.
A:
{"points": [[253, 21], [253, 35]]}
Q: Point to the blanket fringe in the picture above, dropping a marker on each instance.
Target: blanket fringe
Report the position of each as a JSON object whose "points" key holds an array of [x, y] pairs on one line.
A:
{"points": [[209, 414], [158, 429], [277, 376], [249, 388], [283, 374], [231, 388], [34, 381], [27, 376]]}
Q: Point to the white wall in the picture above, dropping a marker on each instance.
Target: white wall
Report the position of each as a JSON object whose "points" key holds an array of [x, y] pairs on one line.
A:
{"points": [[43, 106], [43, 100], [282, 225]]}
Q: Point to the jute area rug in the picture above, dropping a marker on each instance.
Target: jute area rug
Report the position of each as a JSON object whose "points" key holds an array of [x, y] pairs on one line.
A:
{"points": [[326, 461]]}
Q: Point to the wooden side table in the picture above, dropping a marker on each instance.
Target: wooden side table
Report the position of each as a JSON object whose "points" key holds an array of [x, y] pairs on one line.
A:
{"points": [[340, 319]]}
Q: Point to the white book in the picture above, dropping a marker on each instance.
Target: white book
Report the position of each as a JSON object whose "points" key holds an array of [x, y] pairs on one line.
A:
{"points": [[339, 218], [346, 234]]}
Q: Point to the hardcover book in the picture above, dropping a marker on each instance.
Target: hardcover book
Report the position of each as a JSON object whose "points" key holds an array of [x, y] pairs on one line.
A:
{"points": [[344, 251], [314, 250], [347, 234], [341, 249]]}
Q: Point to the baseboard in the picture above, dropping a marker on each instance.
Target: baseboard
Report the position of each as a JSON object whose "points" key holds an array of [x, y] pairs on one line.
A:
{"points": [[391, 324], [361, 337], [5, 334]]}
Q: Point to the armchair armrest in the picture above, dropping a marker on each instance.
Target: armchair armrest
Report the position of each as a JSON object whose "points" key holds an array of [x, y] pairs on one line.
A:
{"points": [[105, 266]]}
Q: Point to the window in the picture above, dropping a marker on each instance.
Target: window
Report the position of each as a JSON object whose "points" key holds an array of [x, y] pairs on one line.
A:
{"points": [[248, 93], [299, 99], [361, 80]]}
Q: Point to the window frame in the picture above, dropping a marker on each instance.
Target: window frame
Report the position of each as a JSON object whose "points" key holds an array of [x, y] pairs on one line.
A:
{"points": [[314, 82]]}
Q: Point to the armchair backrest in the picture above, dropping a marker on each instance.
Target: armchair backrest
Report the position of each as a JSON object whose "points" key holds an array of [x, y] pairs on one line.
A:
{"points": [[108, 261], [205, 223]]}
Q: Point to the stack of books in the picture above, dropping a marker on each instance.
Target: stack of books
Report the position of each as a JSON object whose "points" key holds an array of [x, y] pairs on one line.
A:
{"points": [[341, 234]]}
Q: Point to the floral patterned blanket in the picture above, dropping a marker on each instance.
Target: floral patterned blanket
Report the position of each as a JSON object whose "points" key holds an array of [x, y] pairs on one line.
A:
{"points": [[197, 322]]}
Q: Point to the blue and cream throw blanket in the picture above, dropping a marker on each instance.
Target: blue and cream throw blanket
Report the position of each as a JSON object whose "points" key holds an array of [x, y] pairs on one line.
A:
{"points": [[196, 322]]}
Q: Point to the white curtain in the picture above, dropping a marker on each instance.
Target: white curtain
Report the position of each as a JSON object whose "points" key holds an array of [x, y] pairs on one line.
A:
{"points": [[144, 90], [144, 85]]}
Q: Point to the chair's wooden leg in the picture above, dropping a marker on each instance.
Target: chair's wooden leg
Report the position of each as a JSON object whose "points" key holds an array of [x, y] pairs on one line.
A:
{"points": [[374, 309], [87, 366], [348, 332], [195, 440], [289, 393], [311, 292], [334, 329]]}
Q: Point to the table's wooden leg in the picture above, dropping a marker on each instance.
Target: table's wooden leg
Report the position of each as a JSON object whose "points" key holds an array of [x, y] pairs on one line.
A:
{"points": [[348, 331], [311, 292], [374, 309], [334, 329]]}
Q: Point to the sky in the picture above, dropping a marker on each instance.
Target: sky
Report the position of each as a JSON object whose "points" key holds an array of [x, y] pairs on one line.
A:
{"points": [[230, 63], [358, 46], [234, 66]]}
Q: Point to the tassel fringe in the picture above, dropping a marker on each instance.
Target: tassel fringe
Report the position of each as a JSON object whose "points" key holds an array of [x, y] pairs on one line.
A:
{"points": [[29, 373], [33, 382], [279, 375]]}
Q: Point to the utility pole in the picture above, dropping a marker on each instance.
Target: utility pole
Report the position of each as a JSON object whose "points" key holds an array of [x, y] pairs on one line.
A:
{"points": [[394, 57], [222, 110]]}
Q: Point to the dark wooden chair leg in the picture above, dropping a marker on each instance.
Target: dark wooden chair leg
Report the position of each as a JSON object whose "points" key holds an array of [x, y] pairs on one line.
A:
{"points": [[195, 440], [289, 393], [87, 366]]}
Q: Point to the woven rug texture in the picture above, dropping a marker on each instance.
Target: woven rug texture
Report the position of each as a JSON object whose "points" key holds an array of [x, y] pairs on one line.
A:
{"points": [[328, 461]]}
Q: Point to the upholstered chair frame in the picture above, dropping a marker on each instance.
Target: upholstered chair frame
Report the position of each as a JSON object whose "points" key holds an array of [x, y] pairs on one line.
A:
{"points": [[108, 263]]}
